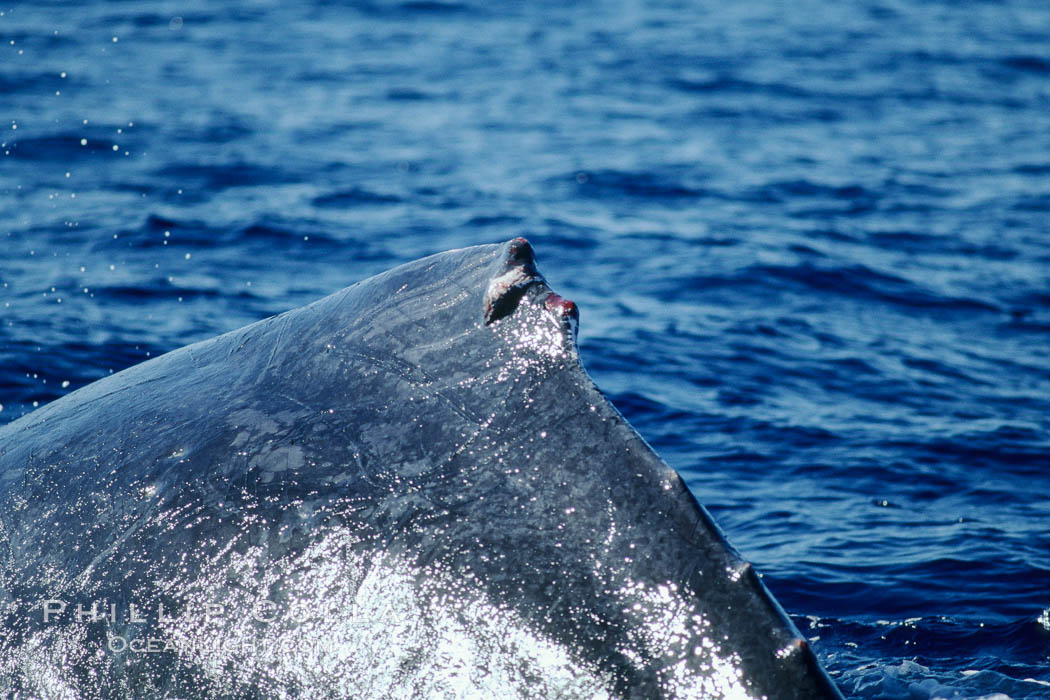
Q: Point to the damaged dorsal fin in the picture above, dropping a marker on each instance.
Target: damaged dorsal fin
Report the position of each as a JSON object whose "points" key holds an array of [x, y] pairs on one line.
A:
{"points": [[515, 273]]}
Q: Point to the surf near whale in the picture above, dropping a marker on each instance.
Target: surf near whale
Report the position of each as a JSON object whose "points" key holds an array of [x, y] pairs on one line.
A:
{"points": [[410, 488]]}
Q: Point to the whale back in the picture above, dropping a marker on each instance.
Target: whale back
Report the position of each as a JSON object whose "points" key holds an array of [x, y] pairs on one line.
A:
{"points": [[410, 488]]}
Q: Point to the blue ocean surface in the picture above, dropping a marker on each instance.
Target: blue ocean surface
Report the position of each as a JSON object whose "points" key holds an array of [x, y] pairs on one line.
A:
{"points": [[810, 243]]}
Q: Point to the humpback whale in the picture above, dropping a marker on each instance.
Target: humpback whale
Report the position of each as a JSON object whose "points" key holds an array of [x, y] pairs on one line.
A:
{"points": [[408, 489]]}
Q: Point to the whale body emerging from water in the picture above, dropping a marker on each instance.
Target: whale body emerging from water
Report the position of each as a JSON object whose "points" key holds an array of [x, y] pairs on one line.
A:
{"points": [[408, 489]]}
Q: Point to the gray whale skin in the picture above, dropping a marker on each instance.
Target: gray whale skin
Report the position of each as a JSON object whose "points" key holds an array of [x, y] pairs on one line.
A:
{"points": [[408, 489]]}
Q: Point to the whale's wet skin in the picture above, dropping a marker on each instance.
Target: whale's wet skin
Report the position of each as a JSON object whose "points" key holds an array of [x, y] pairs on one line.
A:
{"points": [[410, 488]]}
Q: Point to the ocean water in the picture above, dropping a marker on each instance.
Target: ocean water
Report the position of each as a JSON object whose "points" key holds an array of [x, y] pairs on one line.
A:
{"points": [[810, 243]]}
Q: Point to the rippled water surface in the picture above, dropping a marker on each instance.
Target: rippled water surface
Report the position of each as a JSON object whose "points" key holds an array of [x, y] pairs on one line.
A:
{"points": [[809, 241]]}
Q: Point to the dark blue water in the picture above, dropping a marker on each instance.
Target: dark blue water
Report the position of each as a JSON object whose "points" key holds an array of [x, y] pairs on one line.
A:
{"points": [[810, 242]]}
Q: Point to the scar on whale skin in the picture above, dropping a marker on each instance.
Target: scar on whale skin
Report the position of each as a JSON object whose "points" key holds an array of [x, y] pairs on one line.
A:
{"points": [[566, 309], [506, 290]]}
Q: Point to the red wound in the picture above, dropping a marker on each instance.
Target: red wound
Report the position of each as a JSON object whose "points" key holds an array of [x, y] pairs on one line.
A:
{"points": [[562, 306]]}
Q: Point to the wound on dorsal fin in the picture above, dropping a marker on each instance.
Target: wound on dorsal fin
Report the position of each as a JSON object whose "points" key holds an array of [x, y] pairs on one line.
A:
{"points": [[508, 285]]}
